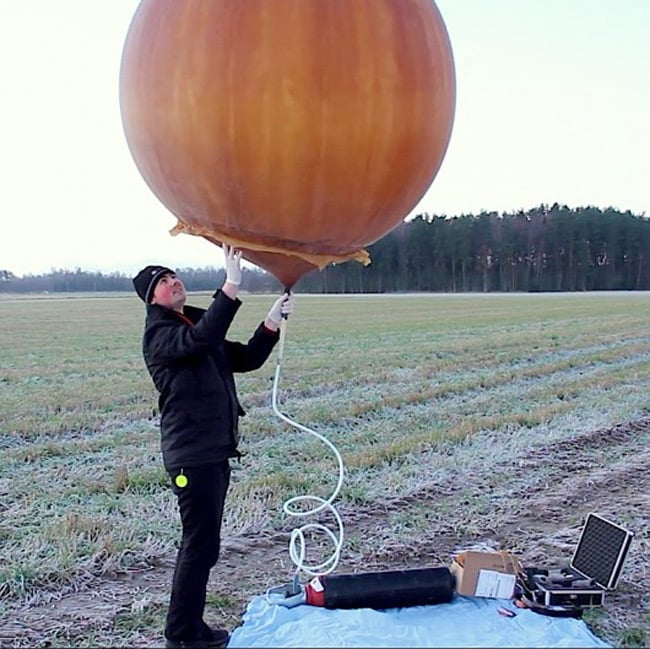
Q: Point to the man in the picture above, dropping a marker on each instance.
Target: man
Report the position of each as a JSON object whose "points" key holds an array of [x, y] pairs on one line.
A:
{"points": [[192, 363]]}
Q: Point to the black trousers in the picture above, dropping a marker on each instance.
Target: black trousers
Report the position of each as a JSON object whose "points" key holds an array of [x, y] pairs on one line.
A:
{"points": [[200, 504]]}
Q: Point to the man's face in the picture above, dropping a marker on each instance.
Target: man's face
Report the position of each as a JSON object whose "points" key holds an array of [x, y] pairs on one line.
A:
{"points": [[169, 292]]}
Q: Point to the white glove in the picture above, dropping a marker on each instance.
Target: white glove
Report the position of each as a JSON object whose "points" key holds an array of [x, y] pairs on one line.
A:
{"points": [[282, 308], [233, 264]]}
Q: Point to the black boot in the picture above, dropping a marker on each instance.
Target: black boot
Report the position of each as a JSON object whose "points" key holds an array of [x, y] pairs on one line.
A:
{"points": [[210, 639]]}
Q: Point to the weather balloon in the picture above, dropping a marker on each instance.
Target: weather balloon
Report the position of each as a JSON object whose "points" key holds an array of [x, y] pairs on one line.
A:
{"points": [[299, 131]]}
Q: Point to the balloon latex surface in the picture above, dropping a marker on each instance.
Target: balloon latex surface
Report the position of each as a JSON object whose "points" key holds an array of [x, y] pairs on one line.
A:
{"points": [[297, 130]]}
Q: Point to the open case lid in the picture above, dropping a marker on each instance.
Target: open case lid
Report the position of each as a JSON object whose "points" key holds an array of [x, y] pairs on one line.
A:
{"points": [[601, 551]]}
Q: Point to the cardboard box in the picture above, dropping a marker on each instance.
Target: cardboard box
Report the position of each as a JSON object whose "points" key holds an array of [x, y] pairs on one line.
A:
{"points": [[485, 574]]}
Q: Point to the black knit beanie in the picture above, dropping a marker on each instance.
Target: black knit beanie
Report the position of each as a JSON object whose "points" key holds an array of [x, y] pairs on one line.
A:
{"points": [[145, 281]]}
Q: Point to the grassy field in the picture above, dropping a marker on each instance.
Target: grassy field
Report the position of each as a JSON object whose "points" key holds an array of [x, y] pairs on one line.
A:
{"points": [[401, 385]]}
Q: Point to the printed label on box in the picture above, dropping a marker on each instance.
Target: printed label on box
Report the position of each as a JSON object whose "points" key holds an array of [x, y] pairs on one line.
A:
{"points": [[495, 584]]}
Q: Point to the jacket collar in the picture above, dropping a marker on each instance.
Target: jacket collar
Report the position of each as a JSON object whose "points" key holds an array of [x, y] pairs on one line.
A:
{"points": [[157, 312]]}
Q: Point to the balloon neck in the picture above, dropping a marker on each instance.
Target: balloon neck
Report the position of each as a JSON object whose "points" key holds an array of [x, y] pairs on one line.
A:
{"points": [[287, 291]]}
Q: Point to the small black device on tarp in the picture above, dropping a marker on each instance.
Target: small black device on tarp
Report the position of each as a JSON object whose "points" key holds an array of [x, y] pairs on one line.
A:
{"points": [[594, 569]]}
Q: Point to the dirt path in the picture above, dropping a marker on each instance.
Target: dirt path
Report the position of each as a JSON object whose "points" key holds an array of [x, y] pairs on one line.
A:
{"points": [[605, 471]]}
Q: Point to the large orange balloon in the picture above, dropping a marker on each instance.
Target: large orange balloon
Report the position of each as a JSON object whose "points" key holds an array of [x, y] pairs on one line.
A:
{"points": [[297, 130]]}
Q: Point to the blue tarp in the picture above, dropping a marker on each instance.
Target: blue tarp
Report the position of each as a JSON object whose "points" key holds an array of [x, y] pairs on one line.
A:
{"points": [[465, 622]]}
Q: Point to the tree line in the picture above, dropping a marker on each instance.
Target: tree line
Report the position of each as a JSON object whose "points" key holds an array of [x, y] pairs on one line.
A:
{"points": [[83, 281], [547, 248]]}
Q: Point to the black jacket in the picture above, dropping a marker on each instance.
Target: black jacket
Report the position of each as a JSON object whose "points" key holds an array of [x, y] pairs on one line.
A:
{"points": [[192, 368]]}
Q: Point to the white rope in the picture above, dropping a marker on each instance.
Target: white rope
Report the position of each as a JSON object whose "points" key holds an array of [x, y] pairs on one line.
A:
{"points": [[296, 506]]}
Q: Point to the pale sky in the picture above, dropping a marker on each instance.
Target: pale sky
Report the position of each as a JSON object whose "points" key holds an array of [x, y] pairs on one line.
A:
{"points": [[553, 104]]}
